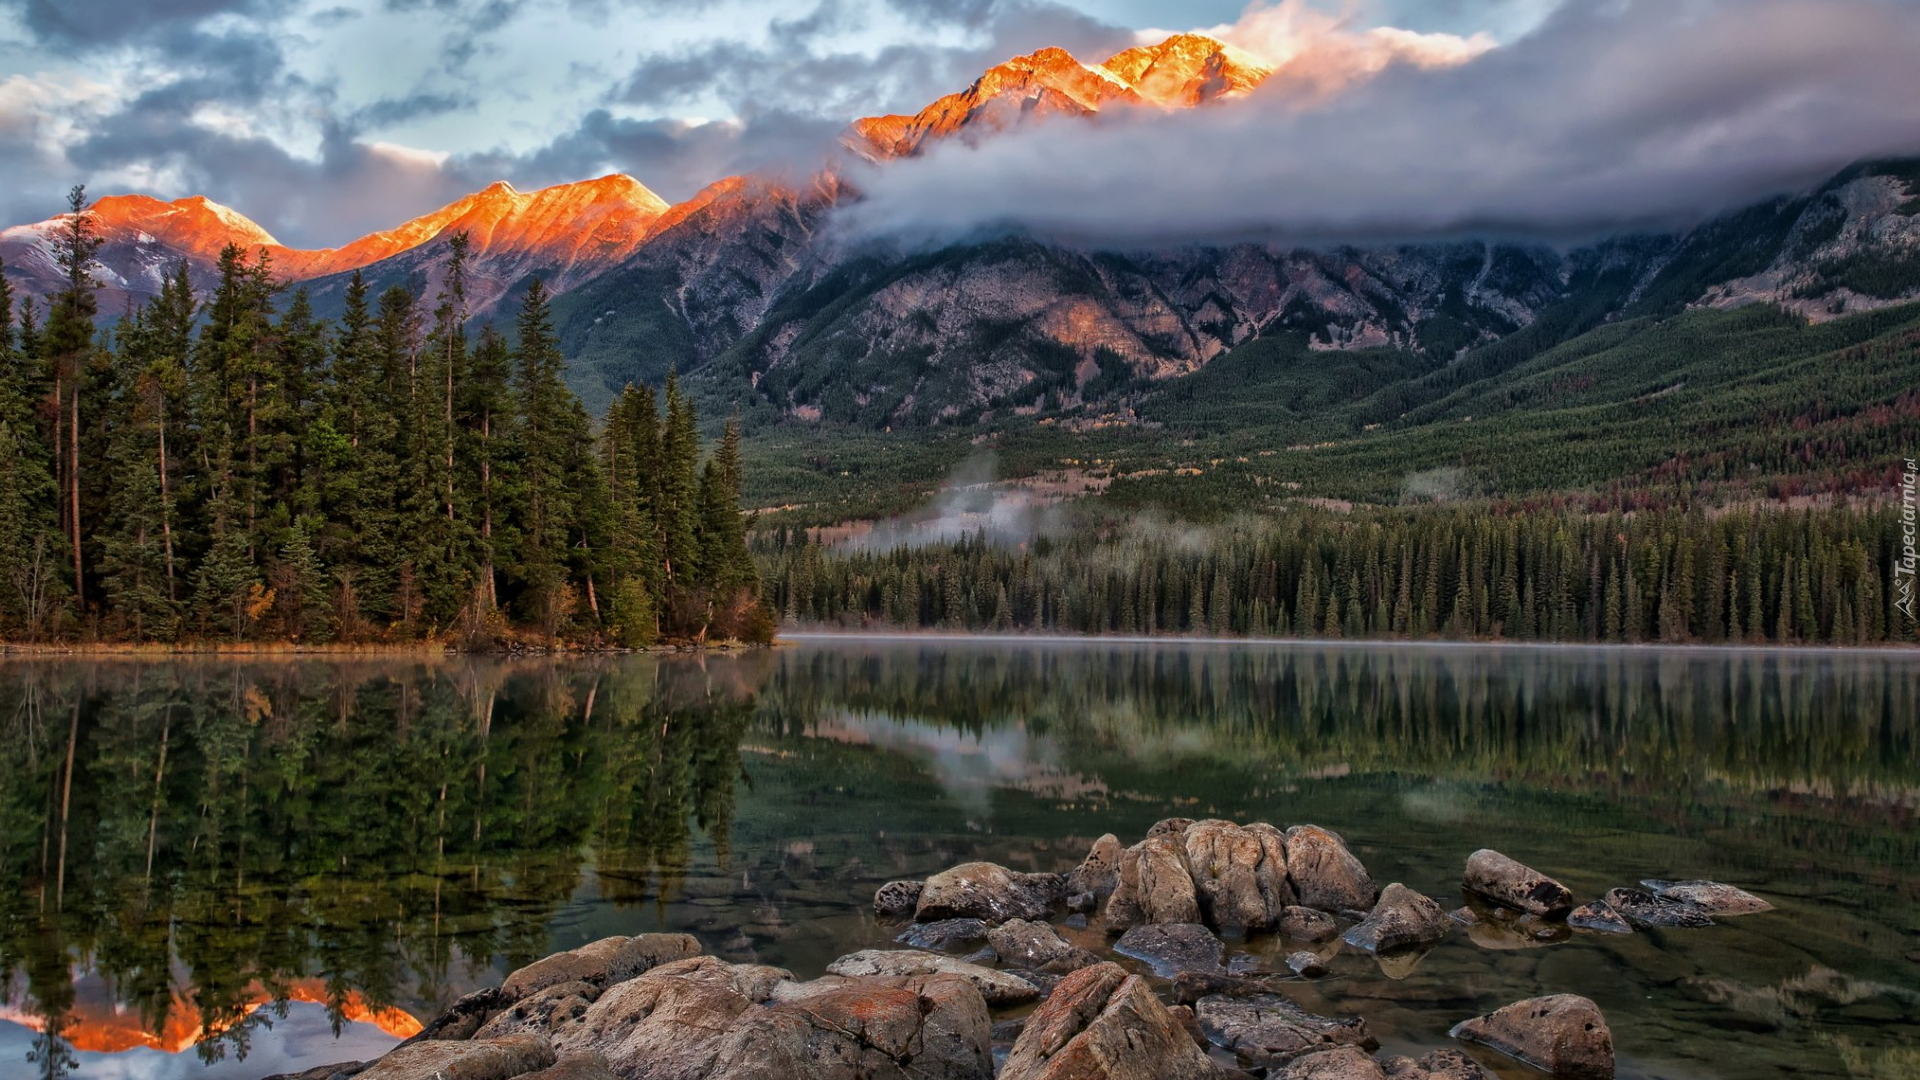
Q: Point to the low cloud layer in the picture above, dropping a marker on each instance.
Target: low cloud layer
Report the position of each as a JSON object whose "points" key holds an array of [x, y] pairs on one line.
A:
{"points": [[1613, 113]]}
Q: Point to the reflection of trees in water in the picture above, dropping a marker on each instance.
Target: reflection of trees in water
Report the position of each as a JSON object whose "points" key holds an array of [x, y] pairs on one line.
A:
{"points": [[389, 828], [1827, 724]]}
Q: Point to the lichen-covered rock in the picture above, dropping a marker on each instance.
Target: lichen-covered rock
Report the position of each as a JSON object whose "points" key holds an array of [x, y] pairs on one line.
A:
{"points": [[1102, 1024], [1649, 912], [991, 893], [1099, 873], [1709, 896], [1239, 875], [944, 934], [897, 899], [1340, 1063], [1266, 1030], [999, 988], [1171, 948], [1565, 1034], [1325, 875], [1437, 1065], [1037, 946], [601, 963], [1155, 887], [1511, 884], [463, 1059], [1402, 919], [1598, 917], [1308, 924], [667, 1024], [537, 1012]]}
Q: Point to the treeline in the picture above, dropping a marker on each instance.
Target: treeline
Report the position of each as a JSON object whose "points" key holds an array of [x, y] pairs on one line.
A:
{"points": [[1762, 576], [240, 469]]}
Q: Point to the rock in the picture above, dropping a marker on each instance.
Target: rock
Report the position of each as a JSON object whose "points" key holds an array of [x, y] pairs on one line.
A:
{"points": [[462, 1018], [1565, 1034], [1183, 1014], [1172, 828], [1239, 875], [994, 894], [1403, 919], [1600, 918], [536, 1013], [1438, 1065], [339, 1070], [1267, 1030], [1307, 924], [999, 988], [600, 964], [1036, 945], [1465, 916], [1517, 931], [1306, 965], [1084, 903], [1647, 911], [1099, 873], [1102, 1024], [1155, 887], [1709, 896], [944, 934], [465, 1059], [1510, 884], [1171, 948], [1324, 873], [1340, 1063], [897, 899], [669, 1023], [575, 1067], [928, 1027]]}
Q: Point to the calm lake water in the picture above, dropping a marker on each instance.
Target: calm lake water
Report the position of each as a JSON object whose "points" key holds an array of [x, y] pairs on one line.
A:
{"points": [[213, 868]]}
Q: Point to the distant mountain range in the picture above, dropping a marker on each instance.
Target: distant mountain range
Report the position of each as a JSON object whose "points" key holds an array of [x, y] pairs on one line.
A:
{"points": [[744, 285]]}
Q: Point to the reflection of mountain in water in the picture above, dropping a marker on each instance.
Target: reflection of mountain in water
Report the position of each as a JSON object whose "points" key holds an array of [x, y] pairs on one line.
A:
{"points": [[198, 839]]}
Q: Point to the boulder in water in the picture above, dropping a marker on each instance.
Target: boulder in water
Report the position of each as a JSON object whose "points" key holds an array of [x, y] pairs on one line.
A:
{"points": [[1102, 1024], [1402, 919], [1500, 880], [991, 893], [1709, 896], [1325, 875], [1565, 1034]]}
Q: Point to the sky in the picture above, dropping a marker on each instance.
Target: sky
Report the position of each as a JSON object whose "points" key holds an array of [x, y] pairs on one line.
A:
{"points": [[326, 119]]}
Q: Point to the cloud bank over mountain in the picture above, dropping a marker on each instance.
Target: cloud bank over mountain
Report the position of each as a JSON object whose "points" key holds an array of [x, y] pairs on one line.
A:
{"points": [[1611, 114]]}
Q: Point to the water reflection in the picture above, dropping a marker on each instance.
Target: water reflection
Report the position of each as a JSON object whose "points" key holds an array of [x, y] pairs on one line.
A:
{"points": [[189, 850]]}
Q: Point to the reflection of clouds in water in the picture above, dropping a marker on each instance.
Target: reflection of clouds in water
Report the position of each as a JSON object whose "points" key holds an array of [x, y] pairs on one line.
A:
{"points": [[298, 1040], [969, 765], [1440, 806]]}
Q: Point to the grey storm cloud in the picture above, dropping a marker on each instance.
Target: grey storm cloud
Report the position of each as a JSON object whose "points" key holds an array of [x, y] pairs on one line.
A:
{"points": [[89, 23], [1611, 114]]}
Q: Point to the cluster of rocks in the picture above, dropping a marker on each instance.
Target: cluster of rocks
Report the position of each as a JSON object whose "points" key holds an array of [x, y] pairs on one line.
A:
{"points": [[980, 940]]}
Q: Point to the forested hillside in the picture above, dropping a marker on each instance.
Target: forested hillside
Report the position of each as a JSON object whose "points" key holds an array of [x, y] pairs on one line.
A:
{"points": [[240, 470]]}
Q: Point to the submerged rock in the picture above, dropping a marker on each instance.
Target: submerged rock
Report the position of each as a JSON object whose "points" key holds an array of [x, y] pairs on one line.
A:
{"points": [[897, 899], [1308, 924], [1306, 965], [1600, 918], [600, 964], [1038, 946], [1239, 875], [1154, 887], [1402, 919], [1102, 1024], [1172, 948], [1324, 873], [997, 987], [1265, 1030], [464, 1059], [1099, 873], [1510, 884], [1565, 1034], [1437, 1065], [1648, 912], [992, 893], [944, 934], [1709, 896]]}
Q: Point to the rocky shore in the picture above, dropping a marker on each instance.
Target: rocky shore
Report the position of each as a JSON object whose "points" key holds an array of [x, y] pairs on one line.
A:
{"points": [[995, 978]]}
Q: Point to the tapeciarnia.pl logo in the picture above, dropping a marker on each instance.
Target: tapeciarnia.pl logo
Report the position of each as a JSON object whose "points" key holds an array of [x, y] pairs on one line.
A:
{"points": [[1904, 566]]}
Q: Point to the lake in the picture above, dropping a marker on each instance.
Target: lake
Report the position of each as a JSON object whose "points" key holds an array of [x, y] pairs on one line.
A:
{"points": [[230, 867]]}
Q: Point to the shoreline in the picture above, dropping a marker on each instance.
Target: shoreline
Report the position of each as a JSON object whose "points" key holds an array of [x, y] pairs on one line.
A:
{"points": [[903, 636], [293, 650]]}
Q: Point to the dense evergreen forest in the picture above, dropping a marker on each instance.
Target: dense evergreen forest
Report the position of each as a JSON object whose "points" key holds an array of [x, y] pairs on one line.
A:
{"points": [[1548, 574], [239, 469]]}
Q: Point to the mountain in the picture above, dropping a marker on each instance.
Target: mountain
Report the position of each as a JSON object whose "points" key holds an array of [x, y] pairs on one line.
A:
{"points": [[567, 233]]}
